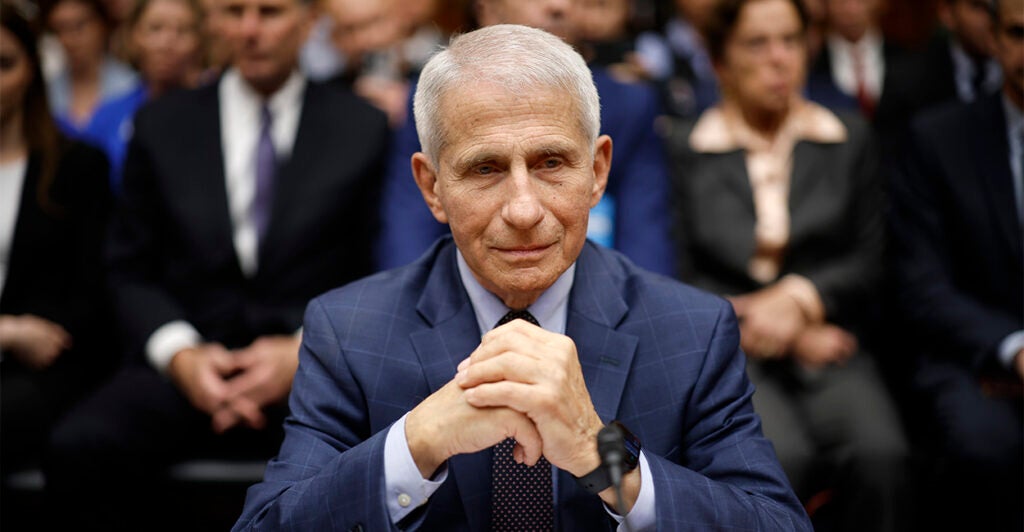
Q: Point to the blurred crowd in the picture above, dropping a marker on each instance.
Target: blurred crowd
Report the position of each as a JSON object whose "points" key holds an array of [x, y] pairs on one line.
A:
{"points": [[179, 177]]}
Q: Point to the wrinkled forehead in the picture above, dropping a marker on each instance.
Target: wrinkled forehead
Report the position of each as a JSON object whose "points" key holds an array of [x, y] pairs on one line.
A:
{"points": [[482, 105]]}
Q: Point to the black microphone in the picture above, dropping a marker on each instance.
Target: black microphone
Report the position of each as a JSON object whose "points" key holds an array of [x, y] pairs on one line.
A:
{"points": [[612, 449]]}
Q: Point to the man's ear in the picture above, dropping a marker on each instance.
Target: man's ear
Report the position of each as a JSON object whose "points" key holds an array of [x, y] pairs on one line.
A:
{"points": [[426, 178], [602, 165]]}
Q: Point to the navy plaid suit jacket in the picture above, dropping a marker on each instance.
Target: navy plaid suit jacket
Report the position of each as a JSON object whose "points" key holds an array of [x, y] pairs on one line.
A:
{"points": [[657, 354]]}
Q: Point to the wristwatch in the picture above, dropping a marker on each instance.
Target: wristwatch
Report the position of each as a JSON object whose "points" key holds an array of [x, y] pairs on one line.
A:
{"points": [[599, 480]]}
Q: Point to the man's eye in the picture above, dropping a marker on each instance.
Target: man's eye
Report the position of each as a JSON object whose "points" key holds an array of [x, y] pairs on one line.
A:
{"points": [[485, 169], [552, 163]]}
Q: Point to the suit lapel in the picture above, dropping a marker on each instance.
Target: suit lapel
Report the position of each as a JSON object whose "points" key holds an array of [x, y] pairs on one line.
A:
{"points": [[596, 308], [991, 147], [212, 208], [26, 225], [453, 335]]}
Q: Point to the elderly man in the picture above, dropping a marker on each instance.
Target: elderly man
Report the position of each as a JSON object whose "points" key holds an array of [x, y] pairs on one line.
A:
{"points": [[633, 216], [406, 401]]}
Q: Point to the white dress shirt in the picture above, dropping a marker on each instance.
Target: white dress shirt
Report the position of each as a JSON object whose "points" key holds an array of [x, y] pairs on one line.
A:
{"points": [[12, 179], [873, 63], [240, 108], [404, 486]]}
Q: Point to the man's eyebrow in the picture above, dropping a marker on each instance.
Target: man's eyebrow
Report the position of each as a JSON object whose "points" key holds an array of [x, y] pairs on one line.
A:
{"points": [[473, 159]]}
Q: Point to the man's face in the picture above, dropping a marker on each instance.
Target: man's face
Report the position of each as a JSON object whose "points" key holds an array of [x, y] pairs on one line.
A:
{"points": [[515, 183], [764, 59], [265, 37], [362, 26], [1010, 48], [971, 23], [553, 16], [852, 18]]}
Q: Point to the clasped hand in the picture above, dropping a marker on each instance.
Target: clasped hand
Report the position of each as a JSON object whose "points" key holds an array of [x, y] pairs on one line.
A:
{"points": [[234, 387], [521, 382]]}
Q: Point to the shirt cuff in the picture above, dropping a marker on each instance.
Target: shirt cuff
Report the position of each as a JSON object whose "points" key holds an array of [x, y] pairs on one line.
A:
{"points": [[643, 515], [1009, 348], [806, 295], [405, 487], [166, 341]]}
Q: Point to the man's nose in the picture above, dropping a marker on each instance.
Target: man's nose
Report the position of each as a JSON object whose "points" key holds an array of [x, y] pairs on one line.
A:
{"points": [[523, 208], [250, 23]]}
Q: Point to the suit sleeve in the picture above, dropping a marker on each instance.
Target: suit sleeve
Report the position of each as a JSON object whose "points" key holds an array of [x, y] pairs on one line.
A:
{"points": [[329, 474], [133, 246], [729, 477], [641, 186], [407, 227], [848, 282]]}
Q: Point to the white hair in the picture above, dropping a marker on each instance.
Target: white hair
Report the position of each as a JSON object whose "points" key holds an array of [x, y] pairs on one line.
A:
{"points": [[518, 58]]}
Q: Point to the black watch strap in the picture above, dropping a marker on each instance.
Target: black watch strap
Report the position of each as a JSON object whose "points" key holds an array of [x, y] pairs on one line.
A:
{"points": [[596, 481], [599, 480]]}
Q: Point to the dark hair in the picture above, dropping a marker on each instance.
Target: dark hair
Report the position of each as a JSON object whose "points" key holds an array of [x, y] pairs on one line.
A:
{"points": [[97, 6], [142, 5], [38, 127], [723, 19]]}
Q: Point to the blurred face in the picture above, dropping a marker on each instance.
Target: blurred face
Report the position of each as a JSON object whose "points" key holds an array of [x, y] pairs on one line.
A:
{"points": [[852, 18], [602, 20], [971, 23], [515, 183], [361, 26], [15, 76], [166, 38], [81, 33], [764, 59], [265, 37], [695, 11], [1010, 48], [553, 16]]}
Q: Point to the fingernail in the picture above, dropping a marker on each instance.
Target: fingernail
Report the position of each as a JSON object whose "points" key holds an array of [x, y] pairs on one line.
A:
{"points": [[463, 364], [460, 377]]}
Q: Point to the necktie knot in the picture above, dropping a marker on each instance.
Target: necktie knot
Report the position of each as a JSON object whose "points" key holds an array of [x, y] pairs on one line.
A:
{"points": [[517, 315]]}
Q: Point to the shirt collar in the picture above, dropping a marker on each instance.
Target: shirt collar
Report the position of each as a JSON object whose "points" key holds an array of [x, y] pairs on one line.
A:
{"points": [[869, 43], [721, 130], [289, 96], [550, 309]]}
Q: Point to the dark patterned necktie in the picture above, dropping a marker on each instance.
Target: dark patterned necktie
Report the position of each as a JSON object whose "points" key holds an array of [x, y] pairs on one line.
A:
{"points": [[266, 167], [522, 496]]}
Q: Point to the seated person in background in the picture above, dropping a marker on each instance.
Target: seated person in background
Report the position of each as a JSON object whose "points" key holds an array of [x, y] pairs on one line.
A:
{"points": [[54, 201], [91, 75], [166, 45], [683, 72], [957, 220], [959, 64], [368, 34], [633, 217], [402, 415], [242, 200], [778, 208]]}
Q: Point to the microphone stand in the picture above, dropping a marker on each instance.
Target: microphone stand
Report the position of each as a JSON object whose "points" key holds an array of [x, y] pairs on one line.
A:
{"points": [[612, 449]]}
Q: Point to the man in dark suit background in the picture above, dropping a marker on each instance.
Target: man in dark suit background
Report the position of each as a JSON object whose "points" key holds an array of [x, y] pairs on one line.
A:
{"points": [[958, 64], [242, 200], [957, 226], [400, 412]]}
